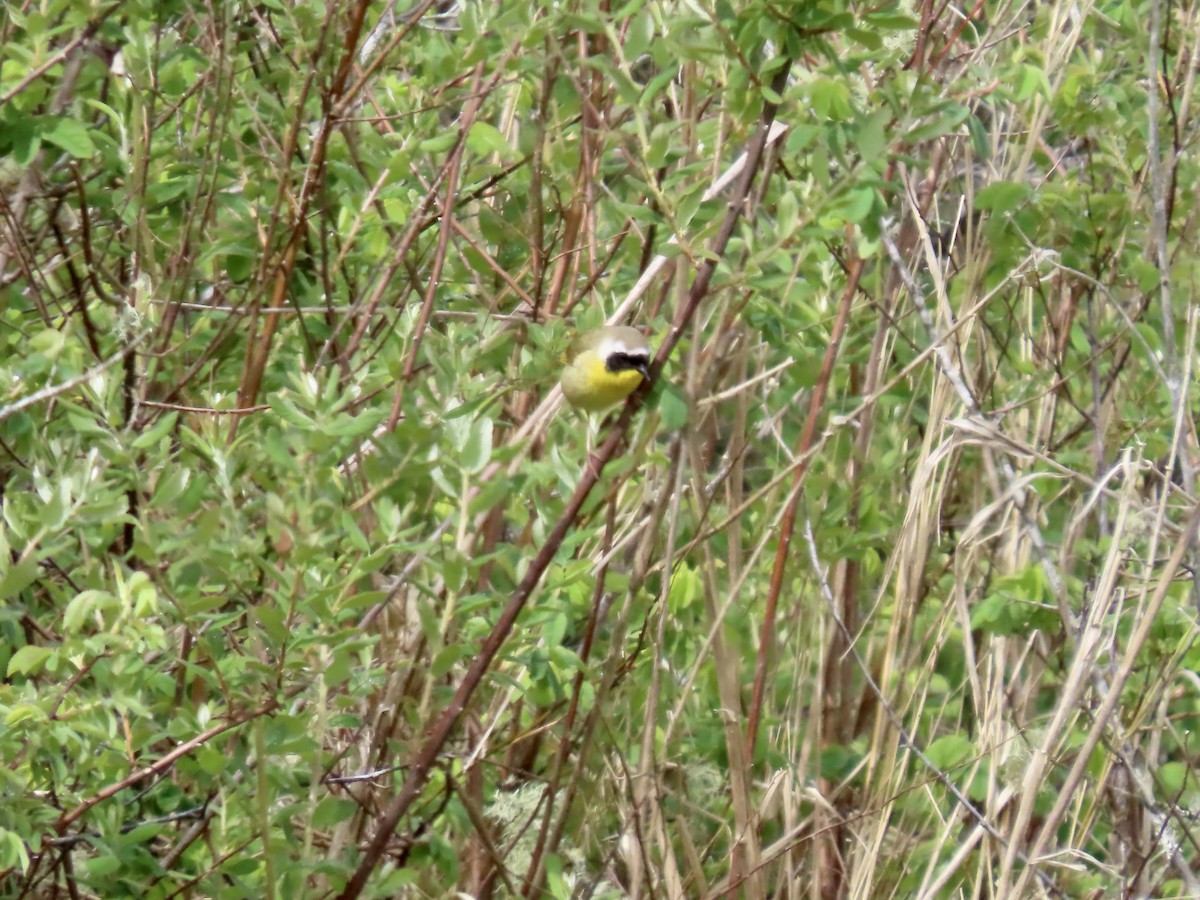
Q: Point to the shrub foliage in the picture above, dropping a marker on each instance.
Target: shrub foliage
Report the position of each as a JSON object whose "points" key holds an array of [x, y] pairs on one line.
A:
{"points": [[310, 587]]}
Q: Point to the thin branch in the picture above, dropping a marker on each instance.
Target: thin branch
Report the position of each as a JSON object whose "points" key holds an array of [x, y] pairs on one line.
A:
{"points": [[439, 733], [55, 390], [167, 761]]}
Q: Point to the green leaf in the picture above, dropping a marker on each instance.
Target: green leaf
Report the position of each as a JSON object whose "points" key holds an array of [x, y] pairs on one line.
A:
{"points": [[99, 866], [493, 491], [478, 447], [24, 712], [85, 605], [685, 588], [555, 879], [986, 613], [211, 760], [945, 121], [1173, 777], [787, 213], [672, 406], [85, 423], [857, 204], [440, 143], [49, 342], [393, 881], [29, 659], [71, 136], [981, 144], [272, 618], [13, 852], [1032, 80], [352, 426], [872, 139], [24, 139], [950, 751], [485, 138], [157, 432], [444, 661], [640, 34], [661, 139], [438, 475], [830, 99], [1002, 196], [889, 19], [16, 578], [554, 630], [239, 265], [288, 411], [332, 810]]}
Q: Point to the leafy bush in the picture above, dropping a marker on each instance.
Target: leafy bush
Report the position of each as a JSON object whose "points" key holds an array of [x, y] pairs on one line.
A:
{"points": [[312, 588]]}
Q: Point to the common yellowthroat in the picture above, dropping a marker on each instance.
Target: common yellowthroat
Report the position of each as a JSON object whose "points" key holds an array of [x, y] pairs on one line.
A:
{"points": [[604, 367]]}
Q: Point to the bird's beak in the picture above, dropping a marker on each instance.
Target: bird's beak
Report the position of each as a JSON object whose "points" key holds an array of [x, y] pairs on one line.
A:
{"points": [[644, 368]]}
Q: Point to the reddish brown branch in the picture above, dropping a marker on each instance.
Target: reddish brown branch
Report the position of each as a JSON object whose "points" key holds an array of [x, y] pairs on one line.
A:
{"points": [[439, 258], [85, 35], [426, 758], [258, 348], [418, 771], [815, 405], [161, 765]]}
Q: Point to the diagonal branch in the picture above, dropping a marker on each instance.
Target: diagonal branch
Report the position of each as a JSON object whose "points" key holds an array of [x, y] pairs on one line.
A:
{"points": [[422, 765]]}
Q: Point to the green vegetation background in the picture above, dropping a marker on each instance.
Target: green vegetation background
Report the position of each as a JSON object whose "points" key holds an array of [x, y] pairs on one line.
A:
{"points": [[886, 590]]}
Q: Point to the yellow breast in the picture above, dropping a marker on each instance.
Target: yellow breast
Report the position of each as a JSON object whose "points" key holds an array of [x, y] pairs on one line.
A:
{"points": [[588, 384]]}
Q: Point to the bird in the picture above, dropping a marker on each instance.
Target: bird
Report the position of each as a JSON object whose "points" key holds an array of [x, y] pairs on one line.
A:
{"points": [[604, 366]]}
